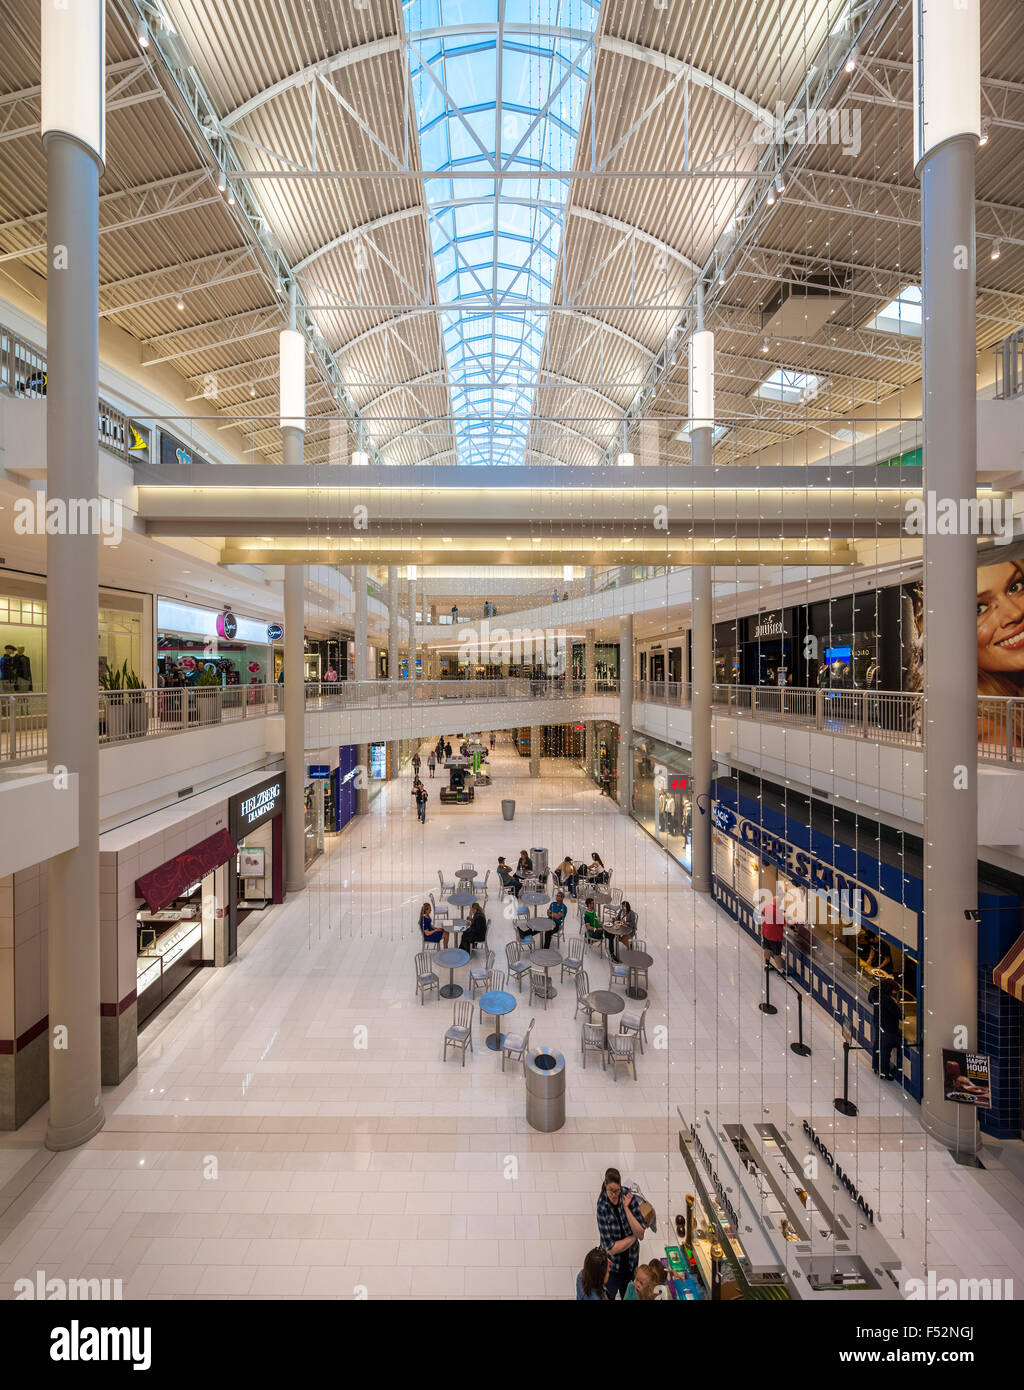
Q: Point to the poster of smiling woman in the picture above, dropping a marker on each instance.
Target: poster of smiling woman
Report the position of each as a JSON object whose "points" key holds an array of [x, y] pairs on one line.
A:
{"points": [[1001, 646]]}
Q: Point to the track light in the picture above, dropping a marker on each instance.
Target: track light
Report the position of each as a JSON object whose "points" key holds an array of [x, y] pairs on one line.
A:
{"points": [[851, 62], [780, 183], [181, 302], [222, 182], [142, 34], [997, 251], [771, 196], [252, 392], [764, 345], [231, 199], [983, 137]]}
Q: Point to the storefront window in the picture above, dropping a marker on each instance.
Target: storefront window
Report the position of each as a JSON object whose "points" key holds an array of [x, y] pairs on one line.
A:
{"points": [[190, 649], [662, 797], [314, 828], [23, 637]]}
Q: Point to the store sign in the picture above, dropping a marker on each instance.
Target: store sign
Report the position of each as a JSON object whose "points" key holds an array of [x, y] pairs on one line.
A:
{"points": [[173, 451], [841, 1177], [378, 761], [716, 1181], [251, 808], [771, 625], [319, 772], [274, 632], [723, 818], [797, 864], [227, 625]]}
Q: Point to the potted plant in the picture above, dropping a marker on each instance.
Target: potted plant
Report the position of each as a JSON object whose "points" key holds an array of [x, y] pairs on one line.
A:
{"points": [[208, 704], [126, 710]]}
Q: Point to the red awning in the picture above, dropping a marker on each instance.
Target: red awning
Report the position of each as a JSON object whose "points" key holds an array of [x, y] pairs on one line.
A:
{"points": [[161, 886], [1009, 973]]}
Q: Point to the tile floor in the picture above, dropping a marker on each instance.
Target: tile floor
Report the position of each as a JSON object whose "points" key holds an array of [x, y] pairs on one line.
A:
{"points": [[291, 1130]]}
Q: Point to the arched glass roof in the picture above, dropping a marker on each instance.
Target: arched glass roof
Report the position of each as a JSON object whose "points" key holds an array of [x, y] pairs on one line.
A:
{"points": [[499, 86]]}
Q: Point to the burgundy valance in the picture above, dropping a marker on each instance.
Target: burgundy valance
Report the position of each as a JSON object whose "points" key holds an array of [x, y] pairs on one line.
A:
{"points": [[161, 886]]}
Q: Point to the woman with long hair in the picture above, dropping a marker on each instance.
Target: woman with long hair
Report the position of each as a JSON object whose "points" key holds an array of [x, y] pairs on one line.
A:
{"points": [[593, 1276], [1000, 651]]}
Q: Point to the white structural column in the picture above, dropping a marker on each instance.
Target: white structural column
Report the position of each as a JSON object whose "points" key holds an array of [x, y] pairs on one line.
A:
{"points": [[293, 424], [361, 664], [947, 66], [625, 763], [412, 625], [702, 420], [393, 655], [588, 576], [73, 59], [589, 688]]}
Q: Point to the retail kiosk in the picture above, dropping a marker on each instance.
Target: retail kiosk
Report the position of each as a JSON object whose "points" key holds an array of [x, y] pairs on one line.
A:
{"points": [[785, 1215]]}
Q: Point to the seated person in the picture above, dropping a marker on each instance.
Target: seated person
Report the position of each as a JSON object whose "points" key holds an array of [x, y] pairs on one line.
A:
{"points": [[593, 926], [556, 911], [506, 876], [523, 870], [596, 872], [625, 917], [567, 875], [476, 930], [430, 932]]}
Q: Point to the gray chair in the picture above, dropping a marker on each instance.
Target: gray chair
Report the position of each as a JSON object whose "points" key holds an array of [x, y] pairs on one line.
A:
{"points": [[517, 967], [636, 1024], [618, 975], [538, 986], [446, 888], [460, 1034], [480, 884], [641, 971], [480, 975], [622, 1048], [593, 1041], [573, 959], [582, 990], [442, 912], [426, 980], [516, 1045]]}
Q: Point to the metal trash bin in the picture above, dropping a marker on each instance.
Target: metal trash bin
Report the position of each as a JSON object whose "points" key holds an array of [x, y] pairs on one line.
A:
{"points": [[508, 809], [545, 1089], [540, 861]]}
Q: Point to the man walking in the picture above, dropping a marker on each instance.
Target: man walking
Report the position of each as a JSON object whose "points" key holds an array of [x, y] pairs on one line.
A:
{"points": [[431, 763], [421, 803], [416, 764]]}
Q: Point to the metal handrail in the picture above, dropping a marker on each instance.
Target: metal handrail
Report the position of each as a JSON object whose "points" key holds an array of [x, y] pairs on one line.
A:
{"points": [[886, 716], [126, 716]]}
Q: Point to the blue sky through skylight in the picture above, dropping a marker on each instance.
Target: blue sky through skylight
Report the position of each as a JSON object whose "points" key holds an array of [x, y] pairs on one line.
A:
{"points": [[484, 101]]}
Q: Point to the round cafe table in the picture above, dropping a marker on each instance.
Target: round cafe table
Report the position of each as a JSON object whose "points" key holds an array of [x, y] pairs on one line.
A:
{"points": [[497, 1002], [466, 874], [534, 900], [547, 958], [603, 1002], [451, 960], [636, 960], [462, 901]]}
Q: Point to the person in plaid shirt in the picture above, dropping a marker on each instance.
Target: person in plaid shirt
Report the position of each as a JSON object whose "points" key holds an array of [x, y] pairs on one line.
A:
{"points": [[620, 1231]]}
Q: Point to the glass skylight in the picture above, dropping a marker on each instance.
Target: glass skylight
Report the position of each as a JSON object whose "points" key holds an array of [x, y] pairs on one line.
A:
{"points": [[498, 85], [792, 388], [900, 315]]}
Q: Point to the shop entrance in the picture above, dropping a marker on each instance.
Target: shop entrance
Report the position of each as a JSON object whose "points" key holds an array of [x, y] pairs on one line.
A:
{"points": [[657, 666], [763, 659]]}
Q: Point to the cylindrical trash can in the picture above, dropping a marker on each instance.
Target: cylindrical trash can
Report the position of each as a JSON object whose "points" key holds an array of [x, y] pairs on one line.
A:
{"points": [[508, 809], [540, 861], [545, 1089]]}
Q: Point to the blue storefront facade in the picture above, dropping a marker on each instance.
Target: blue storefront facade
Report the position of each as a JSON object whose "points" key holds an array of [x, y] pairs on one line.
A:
{"points": [[759, 845], [345, 786]]}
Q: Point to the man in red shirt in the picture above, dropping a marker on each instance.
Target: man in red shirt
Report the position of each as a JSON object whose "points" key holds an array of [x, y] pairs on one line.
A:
{"points": [[773, 922]]}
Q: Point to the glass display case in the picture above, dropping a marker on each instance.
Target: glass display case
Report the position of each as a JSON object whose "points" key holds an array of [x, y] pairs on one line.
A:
{"points": [[165, 964]]}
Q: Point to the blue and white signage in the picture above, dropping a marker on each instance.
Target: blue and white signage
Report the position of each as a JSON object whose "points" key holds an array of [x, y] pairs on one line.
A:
{"points": [[799, 865], [274, 632], [319, 772]]}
